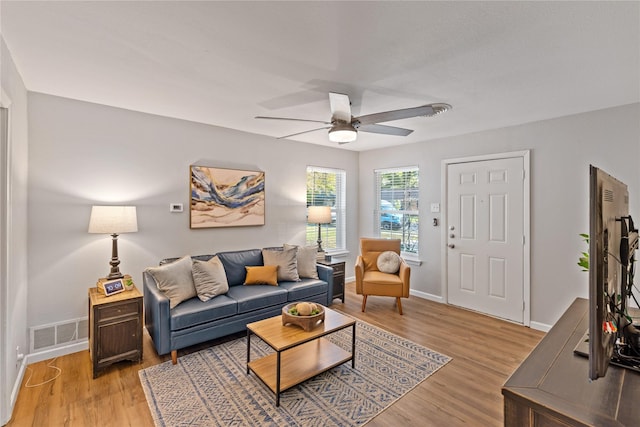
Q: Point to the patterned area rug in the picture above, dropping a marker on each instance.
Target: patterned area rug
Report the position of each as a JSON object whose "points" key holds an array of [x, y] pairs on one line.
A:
{"points": [[211, 387]]}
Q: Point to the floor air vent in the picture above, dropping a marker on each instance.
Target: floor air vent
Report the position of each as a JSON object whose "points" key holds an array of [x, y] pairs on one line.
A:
{"points": [[58, 334]]}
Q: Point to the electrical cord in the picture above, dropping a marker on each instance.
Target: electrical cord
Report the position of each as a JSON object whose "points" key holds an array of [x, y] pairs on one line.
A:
{"points": [[49, 365]]}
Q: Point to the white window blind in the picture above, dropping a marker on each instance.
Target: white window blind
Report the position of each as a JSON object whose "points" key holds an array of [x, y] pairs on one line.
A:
{"points": [[327, 187], [396, 215]]}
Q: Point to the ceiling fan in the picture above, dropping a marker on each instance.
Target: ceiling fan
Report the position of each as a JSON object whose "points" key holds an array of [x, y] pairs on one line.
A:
{"points": [[344, 128]]}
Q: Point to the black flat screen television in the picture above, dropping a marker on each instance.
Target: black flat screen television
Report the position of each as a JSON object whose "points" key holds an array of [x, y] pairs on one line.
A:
{"points": [[612, 338]]}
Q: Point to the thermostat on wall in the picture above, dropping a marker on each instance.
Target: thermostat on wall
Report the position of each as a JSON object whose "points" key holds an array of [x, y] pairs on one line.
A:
{"points": [[175, 207]]}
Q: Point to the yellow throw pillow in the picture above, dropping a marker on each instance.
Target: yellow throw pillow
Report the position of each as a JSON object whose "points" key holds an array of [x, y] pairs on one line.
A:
{"points": [[264, 275]]}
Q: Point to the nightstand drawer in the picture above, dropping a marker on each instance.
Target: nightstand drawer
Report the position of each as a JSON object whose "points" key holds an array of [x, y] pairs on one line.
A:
{"points": [[109, 312], [338, 268]]}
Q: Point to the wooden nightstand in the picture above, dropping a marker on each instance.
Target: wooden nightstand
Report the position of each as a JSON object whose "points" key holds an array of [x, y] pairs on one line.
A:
{"points": [[115, 328], [338, 277]]}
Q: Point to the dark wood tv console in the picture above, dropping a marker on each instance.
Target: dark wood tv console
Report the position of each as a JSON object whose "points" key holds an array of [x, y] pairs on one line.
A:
{"points": [[552, 387]]}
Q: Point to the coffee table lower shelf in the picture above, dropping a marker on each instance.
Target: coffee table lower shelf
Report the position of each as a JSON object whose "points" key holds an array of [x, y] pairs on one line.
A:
{"points": [[299, 363]]}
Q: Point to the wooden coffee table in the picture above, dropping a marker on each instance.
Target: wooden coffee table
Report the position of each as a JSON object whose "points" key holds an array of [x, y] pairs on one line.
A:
{"points": [[299, 355]]}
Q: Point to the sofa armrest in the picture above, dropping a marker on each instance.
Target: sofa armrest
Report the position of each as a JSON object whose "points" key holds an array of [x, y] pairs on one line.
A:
{"points": [[157, 317], [326, 273]]}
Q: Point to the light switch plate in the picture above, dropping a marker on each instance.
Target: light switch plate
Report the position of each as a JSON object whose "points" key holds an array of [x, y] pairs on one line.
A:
{"points": [[435, 207]]}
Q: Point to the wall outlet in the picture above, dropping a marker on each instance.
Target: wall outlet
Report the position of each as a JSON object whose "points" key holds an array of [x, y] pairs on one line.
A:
{"points": [[19, 356], [175, 207]]}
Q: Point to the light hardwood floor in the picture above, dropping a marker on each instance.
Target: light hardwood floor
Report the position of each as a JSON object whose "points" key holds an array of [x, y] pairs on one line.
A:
{"points": [[466, 391]]}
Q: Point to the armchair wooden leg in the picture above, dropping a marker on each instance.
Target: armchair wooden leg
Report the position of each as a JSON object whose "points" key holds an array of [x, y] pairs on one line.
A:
{"points": [[364, 302], [174, 357], [399, 305]]}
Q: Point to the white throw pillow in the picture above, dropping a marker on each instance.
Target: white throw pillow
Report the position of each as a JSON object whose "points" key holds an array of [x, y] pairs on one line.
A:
{"points": [[389, 262], [175, 280], [209, 278], [306, 257]]}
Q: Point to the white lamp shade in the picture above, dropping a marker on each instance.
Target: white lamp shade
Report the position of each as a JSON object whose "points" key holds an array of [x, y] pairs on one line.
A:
{"points": [[319, 215], [113, 219]]}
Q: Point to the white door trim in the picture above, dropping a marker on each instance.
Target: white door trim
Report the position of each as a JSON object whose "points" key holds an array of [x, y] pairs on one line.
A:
{"points": [[525, 155], [6, 403]]}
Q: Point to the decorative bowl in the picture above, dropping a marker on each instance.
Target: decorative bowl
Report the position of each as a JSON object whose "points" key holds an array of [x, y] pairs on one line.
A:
{"points": [[305, 322]]}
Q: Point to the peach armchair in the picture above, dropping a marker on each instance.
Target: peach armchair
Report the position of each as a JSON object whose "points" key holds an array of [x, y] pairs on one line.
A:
{"points": [[371, 281]]}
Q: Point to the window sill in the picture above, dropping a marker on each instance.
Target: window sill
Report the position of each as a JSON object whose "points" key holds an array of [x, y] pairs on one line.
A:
{"points": [[411, 260], [338, 253]]}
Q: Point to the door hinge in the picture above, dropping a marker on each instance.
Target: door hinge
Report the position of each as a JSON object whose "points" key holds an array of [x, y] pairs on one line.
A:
{"points": [[523, 242]]}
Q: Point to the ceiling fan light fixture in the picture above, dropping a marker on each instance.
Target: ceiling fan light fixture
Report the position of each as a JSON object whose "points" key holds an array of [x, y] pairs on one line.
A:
{"points": [[439, 109], [342, 132]]}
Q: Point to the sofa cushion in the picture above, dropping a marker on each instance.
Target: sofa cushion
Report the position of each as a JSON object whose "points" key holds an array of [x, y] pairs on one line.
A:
{"points": [[250, 298], [194, 312], [175, 280], [306, 258], [262, 275], [234, 263], [286, 261], [380, 278], [209, 278], [305, 288]]}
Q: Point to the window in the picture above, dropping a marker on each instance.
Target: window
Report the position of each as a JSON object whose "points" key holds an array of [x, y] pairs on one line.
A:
{"points": [[327, 187], [396, 212]]}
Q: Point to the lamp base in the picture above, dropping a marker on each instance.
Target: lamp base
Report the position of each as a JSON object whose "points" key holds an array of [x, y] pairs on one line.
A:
{"points": [[113, 275]]}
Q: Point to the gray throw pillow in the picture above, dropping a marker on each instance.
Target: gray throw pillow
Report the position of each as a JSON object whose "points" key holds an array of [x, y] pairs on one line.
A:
{"points": [[286, 262], [209, 278], [306, 258], [175, 280]]}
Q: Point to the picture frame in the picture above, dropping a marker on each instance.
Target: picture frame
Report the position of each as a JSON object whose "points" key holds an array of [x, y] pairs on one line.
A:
{"points": [[112, 287], [221, 197]]}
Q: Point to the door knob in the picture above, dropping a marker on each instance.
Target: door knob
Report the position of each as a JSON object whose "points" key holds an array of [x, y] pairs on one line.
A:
{"points": [[452, 235], [451, 245], [452, 228]]}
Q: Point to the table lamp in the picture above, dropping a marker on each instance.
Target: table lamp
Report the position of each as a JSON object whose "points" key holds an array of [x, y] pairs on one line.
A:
{"points": [[113, 220], [319, 215]]}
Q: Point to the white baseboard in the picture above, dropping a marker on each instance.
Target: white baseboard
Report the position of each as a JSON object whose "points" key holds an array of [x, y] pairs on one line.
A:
{"points": [[540, 326], [17, 384], [58, 351], [426, 295]]}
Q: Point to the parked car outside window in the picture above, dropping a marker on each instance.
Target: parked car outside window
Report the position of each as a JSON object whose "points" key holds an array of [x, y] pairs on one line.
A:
{"points": [[389, 221]]}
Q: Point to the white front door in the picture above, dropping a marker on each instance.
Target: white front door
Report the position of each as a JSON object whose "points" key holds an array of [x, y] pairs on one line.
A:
{"points": [[485, 236]]}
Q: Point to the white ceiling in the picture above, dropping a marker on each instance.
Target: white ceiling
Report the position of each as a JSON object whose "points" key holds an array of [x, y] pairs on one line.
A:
{"points": [[222, 63]]}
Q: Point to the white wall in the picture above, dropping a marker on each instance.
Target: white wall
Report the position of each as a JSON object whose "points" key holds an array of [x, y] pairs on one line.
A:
{"points": [[13, 283], [83, 154], [561, 151]]}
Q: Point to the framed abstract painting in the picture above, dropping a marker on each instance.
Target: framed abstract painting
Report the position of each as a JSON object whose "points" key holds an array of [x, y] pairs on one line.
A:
{"points": [[226, 197]]}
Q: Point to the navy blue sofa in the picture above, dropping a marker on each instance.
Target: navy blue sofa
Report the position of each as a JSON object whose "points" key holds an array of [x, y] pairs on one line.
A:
{"points": [[194, 322]]}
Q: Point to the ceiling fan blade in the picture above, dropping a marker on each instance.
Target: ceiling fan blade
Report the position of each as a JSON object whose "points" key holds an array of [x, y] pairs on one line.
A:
{"points": [[340, 107], [306, 131], [386, 130], [388, 116], [296, 120]]}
